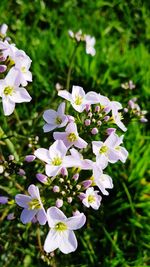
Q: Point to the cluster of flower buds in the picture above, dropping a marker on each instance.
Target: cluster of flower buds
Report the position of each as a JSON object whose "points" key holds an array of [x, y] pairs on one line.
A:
{"points": [[14, 73], [74, 165], [89, 41], [135, 110]]}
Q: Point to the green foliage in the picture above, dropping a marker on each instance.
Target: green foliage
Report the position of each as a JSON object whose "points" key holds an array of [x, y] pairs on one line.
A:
{"points": [[118, 234]]}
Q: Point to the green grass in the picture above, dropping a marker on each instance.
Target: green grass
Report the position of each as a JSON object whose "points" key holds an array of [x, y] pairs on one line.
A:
{"points": [[118, 235]]}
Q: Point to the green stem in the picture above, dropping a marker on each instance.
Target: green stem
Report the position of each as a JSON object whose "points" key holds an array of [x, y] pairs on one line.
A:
{"points": [[9, 144], [19, 122], [70, 66]]}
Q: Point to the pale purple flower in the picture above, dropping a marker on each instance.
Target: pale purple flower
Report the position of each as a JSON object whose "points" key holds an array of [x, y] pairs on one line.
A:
{"points": [[84, 164], [55, 158], [91, 198], [11, 93], [22, 64], [8, 49], [102, 180], [143, 119], [42, 178], [55, 119], [78, 98], [61, 233], [32, 205], [117, 117], [90, 42], [110, 150], [70, 137]]}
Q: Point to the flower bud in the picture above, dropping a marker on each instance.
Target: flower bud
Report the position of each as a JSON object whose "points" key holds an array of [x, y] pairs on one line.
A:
{"points": [[143, 119], [90, 114], [97, 109], [61, 180], [10, 216], [69, 199], [29, 158], [75, 176], [3, 29], [87, 122], [1, 169], [63, 193], [94, 131], [59, 203], [3, 200], [106, 118], [86, 183], [131, 104], [78, 186], [64, 171], [21, 172], [3, 68], [110, 130], [82, 196], [99, 123], [42, 178], [70, 118], [107, 109], [56, 189], [11, 157], [125, 110]]}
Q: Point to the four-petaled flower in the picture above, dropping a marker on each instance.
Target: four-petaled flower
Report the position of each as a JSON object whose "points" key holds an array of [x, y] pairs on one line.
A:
{"points": [[33, 207], [78, 98], [61, 233], [11, 93], [70, 136], [91, 198], [55, 119]]}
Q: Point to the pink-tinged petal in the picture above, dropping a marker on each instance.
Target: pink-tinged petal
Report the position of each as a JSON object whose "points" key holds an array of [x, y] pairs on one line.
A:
{"points": [[96, 145], [34, 191], [58, 149], [120, 123], [49, 116], [113, 155], [68, 242], [52, 241], [75, 154], [76, 222], [70, 161], [123, 154], [71, 128], [21, 95], [61, 109], [49, 127], [11, 77], [43, 154], [102, 161], [42, 217], [104, 101], [92, 98], [55, 215], [80, 143], [52, 170], [27, 215], [115, 106], [77, 91], [65, 94], [8, 106], [59, 136], [104, 181], [22, 200], [113, 140]]}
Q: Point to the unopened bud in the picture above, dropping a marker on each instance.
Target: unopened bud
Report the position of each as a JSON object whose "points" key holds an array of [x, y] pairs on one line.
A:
{"points": [[87, 107], [94, 131], [56, 189], [3, 29], [110, 130], [125, 110], [1, 169], [99, 123], [86, 183], [70, 118], [42, 178], [78, 186], [10, 216], [21, 172], [143, 119], [59, 203], [3, 68], [64, 171], [87, 122], [69, 199], [90, 114], [11, 157], [97, 109], [3, 200], [106, 118], [75, 176], [29, 158], [61, 180]]}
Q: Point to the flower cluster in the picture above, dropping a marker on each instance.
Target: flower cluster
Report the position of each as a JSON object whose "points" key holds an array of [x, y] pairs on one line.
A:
{"points": [[14, 74], [89, 41], [74, 164], [135, 111]]}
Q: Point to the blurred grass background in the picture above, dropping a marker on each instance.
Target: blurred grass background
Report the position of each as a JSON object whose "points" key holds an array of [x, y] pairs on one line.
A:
{"points": [[118, 235]]}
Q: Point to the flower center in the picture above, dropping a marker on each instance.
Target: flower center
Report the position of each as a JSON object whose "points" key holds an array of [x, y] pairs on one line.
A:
{"points": [[34, 204], [56, 161], [103, 149], [58, 120], [72, 137], [8, 90], [78, 100], [91, 198], [61, 226]]}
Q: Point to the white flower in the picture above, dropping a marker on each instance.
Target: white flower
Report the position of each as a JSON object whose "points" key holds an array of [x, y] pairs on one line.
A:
{"points": [[55, 119], [61, 234], [78, 98], [91, 198], [22, 64], [11, 93], [90, 42]]}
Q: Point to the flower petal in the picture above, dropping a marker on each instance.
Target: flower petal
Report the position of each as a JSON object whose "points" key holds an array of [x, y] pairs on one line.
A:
{"points": [[21, 95], [22, 200], [68, 242], [27, 215], [34, 191], [8, 106], [42, 217], [65, 94], [55, 215], [52, 241], [43, 154], [76, 222]]}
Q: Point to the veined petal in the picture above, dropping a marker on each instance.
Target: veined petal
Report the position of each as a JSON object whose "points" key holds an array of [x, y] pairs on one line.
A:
{"points": [[61, 108], [52, 241], [49, 127], [92, 98], [34, 191], [11, 77], [42, 217], [113, 155], [59, 136], [65, 94], [123, 154], [52, 170], [8, 106], [49, 116], [76, 222], [71, 128], [113, 140], [43, 154], [21, 95], [96, 145], [55, 215], [80, 143], [68, 242], [77, 91], [22, 200], [27, 215], [58, 149]]}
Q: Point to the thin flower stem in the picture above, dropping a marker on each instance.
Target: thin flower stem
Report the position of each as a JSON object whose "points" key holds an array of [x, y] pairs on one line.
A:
{"points": [[9, 144], [70, 67], [19, 121], [39, 240]]}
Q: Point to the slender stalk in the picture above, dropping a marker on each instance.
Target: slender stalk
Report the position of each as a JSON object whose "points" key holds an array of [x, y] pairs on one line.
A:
{"points": [[70, 66], [39, 240], [19, 122]]}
